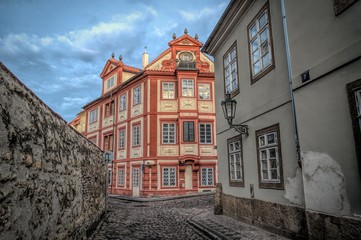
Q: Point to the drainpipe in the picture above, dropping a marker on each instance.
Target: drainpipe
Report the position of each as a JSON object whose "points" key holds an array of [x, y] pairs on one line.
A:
{"points": [[289, 67]]}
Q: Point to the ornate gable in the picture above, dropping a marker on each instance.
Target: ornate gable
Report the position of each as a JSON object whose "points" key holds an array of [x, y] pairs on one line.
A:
{"points": [[109, 66]]}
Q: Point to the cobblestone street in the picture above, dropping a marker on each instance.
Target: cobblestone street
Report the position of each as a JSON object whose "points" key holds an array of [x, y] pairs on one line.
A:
{"points": [[185, 218]]}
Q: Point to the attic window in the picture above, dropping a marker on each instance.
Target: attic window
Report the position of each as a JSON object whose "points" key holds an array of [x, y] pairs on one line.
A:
{"points": [[110, 82], [186, 57]]}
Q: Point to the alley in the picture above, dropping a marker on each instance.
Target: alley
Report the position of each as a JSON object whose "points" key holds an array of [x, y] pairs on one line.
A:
{"points": [[186, 218]]}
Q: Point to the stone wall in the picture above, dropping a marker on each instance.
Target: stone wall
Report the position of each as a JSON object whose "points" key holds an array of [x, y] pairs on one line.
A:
{"points": [[51, 178], [286, 220]]}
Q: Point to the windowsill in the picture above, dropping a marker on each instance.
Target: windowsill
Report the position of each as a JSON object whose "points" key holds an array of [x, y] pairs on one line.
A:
{"points": [[262, 73]]}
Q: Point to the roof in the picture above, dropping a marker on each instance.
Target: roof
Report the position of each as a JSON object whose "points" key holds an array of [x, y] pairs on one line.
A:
{"points": [[230, 17]]}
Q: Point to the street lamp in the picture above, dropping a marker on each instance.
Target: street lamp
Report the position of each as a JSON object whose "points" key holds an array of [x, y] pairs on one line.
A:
{"points": [[229, 110]]}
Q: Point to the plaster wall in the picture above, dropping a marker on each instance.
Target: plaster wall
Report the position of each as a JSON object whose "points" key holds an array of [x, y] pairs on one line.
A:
{"points": [[51, 177], [328, 145], [260, 105]]}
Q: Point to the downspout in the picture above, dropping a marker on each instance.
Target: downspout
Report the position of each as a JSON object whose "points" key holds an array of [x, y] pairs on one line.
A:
{"points": [[289, 68]]}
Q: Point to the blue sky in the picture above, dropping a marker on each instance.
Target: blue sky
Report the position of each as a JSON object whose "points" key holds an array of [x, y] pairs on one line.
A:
{"points": [[59, 48]]}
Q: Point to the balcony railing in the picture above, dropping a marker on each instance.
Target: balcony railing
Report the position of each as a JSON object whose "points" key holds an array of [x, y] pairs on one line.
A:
{"points": [[186, 65]]}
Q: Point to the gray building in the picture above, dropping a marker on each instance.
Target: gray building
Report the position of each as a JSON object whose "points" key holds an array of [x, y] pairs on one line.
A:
{"points": [[291, 160]]}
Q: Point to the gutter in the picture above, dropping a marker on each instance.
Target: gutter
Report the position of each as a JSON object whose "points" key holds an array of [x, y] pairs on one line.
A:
{"points": [[289, 68]]}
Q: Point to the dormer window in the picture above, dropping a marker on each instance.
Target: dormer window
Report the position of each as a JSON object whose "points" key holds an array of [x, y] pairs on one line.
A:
{"points": [[186, 57], [110, 82]]}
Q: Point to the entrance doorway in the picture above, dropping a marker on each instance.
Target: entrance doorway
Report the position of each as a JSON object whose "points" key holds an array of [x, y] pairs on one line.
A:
{"points": [[136, 177], [188, 177]]}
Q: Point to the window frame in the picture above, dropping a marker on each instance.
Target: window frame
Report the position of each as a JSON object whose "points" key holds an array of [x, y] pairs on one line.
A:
{"points": [[187, 87], [235, 182], [175, 177], [109, 109], [207, 176], [184, 129], [121, 103], [234, 91], [355, 118], [270, 184], [93, 119], [108, 139], [264, 70], [169, 133], [139, 95], [138, 143], [168, 89], [209, 90], [123, 178], [110, 82], [200, 132], [123, 139]]}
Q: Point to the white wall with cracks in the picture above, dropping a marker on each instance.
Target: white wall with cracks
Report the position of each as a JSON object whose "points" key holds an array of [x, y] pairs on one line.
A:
{"points": [[324, 184]]}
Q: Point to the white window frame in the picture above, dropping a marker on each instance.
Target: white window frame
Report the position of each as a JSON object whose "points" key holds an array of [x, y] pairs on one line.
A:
{"points": [[204, 91], [136, 135], [207, 176], [93, 116], [110, 82], [121, 175], [187, 87], [205, 136], [265, 150], [168, 133], [235, 159], [167, 178], [121, 134], [123, 102], [136, 95], [168, 90], [259, 35], [230, 69]]}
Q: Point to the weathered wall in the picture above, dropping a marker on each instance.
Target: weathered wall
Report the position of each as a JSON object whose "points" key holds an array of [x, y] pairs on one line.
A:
{"points": [[51, 178]]}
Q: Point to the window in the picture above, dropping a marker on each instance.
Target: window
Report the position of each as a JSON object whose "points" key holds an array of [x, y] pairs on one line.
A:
{"points": [[108, 142], [120, 176], [110, 82], [204, 91], [187, 88], [235, 163], [109, 109], [169, 177], [207, 177], [354, 99], [93, 116], [136, 135], [136, 95], [168, 90], [168, 133], [188, 131], [230, 70], [269, 158], [260, 46], [123, 102], [205, 133], [121, 138]]}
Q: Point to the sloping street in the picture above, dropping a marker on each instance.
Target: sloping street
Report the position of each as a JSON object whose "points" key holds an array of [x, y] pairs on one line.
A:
{"points": [[184, 218]]}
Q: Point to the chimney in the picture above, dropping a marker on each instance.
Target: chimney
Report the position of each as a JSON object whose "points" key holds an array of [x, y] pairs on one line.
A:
{"points": [[145, 58]]}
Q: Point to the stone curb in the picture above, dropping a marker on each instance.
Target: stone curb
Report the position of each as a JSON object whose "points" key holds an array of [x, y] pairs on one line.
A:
{"points": [[157, 199], [205, 229]]}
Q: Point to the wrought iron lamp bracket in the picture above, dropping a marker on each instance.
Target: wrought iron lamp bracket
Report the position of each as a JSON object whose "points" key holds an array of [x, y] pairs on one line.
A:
{"points": [[242, 129]]}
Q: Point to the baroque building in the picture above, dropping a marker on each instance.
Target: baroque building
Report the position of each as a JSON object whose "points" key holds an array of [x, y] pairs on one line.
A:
{"points": [[293, 67], [158, 121]]}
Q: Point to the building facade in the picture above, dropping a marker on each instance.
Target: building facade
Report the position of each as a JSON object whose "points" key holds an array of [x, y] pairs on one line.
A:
{"points": [[158, 121], [297, 172]]}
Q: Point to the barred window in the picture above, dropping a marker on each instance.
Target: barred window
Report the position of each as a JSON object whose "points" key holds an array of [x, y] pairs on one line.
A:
{"points": [[169, 177], [207, 177]]}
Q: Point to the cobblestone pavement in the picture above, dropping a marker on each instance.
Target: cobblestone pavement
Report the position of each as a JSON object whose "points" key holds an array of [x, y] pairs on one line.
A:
{"points": [[186, 218]]}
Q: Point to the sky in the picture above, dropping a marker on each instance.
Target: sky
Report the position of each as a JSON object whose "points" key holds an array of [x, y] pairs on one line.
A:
{"points": [[59, 48]]}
